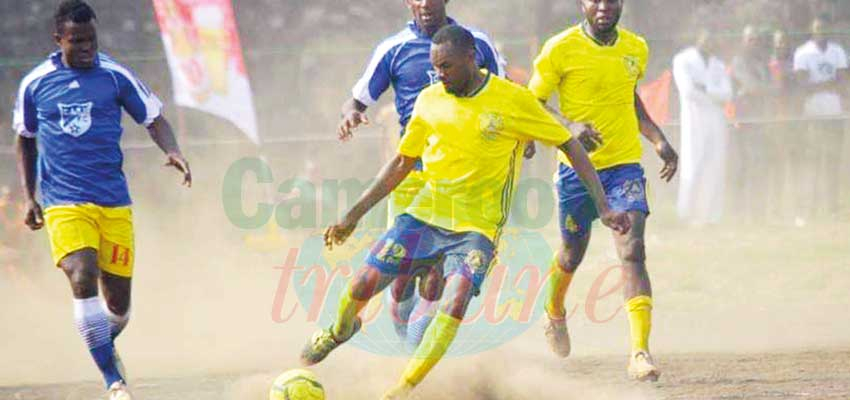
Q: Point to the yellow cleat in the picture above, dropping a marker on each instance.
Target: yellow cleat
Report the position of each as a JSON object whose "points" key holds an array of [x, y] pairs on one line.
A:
{"points": [[400, 392], [558, 336], [642, 368]]}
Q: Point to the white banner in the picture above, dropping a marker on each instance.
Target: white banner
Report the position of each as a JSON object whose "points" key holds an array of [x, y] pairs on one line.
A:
{"points": [[205, 59]]}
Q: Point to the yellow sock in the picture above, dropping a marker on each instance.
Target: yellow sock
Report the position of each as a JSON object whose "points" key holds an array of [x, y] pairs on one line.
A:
{"points": [[435, 343], [349, 307], [556, 291], [640, 321]]}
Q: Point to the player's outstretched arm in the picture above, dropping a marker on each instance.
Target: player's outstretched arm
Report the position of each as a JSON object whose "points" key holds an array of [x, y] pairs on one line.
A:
{"points": [[650, 130], [353, 115], [617, 221], [162, 134], [589, 138], [27, 153], [390, 176]]}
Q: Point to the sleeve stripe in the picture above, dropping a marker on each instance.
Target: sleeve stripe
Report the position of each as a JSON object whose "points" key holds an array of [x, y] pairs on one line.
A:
{"points": [[31, 79], [360, 91], [486, 39], [152, 104]]}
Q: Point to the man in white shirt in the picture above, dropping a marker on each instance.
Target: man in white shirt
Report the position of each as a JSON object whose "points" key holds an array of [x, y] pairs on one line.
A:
{"points": [[821, 69], [704, 88]]}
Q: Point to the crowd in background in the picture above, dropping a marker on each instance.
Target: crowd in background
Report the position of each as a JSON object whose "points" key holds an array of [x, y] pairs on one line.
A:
{"points": [[768, 122], [784, 158]]}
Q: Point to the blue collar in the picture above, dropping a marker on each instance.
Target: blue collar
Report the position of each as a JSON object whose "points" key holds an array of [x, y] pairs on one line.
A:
{"points": [[56, 58], [419, 33]]}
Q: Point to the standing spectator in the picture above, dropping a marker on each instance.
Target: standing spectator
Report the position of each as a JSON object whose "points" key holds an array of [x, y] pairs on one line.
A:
{"points": [[751, 77], [704, 87], [784, 133], [821, 68]]}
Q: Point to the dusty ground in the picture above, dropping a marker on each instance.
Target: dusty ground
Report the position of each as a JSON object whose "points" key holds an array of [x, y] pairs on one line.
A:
{"points": [[823, 374], [756, 311]]}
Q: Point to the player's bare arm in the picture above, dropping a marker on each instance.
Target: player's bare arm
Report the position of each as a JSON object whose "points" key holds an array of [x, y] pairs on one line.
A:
{"points": [[589, 138], [650, 130], [162, 134], [388, 179], [617, 221], [353, 115], [27, 152]]}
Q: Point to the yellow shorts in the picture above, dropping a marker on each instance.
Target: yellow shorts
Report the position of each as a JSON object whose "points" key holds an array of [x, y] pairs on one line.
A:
{"points": [[403, 195], [109, 230]]}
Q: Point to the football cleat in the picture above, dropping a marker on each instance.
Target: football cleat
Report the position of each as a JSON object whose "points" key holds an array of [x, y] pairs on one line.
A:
{"points": [[323, 342], [558, 336]]}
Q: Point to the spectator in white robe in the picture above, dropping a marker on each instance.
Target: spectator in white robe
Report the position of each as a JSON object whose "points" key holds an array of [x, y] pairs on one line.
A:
{"points": [[704, 88]]}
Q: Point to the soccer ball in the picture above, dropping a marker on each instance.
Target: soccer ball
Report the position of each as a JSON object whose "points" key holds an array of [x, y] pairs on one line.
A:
{"points": [[297, 384]]}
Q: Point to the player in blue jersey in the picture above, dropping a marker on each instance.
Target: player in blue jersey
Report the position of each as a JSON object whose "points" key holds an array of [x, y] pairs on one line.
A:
{"points": [[68, 123], [403, 62]]}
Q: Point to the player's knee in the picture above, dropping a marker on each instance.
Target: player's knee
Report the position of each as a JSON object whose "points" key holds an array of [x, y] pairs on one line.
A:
{"points": [[402, 288], [82, 271], [120, 306], [431, 285], [365, 284], [569, 260], [457, 295]]}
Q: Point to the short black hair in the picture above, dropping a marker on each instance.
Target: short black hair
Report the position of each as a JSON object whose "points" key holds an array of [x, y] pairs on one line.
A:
{"points": [[77, 11], [457, 36]]}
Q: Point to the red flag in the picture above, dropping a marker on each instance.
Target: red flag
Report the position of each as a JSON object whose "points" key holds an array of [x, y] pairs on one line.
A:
{"points": [[656, 97], [205, 58]]}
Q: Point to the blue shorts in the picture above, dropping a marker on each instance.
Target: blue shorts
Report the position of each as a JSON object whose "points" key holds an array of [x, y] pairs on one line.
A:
{"points": [[411, 244], [625, 188]]}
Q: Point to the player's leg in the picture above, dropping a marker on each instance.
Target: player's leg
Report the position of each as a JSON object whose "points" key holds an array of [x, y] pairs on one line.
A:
{"points": [[465, 267], [626, 191], [116, 260], [74, 242], [394, 252], [116, 301], [368, 282], [430, 291], [403, 297], [576, 213]]}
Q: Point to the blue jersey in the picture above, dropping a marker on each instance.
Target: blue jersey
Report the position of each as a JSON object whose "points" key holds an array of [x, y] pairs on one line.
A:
{"points": [[75, 116], [404, 61]]}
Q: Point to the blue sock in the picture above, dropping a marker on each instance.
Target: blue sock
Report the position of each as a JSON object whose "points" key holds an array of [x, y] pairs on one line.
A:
{"points": [[94, 328], [401, 313], [420, 318]]}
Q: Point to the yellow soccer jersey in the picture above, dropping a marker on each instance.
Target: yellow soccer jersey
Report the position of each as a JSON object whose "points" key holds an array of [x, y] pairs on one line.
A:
{"points": [[471, 150], [595, 85]]}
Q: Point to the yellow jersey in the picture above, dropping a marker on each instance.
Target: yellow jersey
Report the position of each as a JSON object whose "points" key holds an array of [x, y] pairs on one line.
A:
{"points": [[595, 85], [471, 150]]}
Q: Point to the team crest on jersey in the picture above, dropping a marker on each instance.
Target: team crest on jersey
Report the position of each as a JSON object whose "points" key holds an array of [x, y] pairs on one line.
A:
{"points": [[490, 124], [391, 252], [75, 118], [632, 66]]}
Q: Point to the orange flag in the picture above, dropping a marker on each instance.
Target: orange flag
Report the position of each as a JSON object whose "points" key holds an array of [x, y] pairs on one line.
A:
{"points": [[656, 97]]}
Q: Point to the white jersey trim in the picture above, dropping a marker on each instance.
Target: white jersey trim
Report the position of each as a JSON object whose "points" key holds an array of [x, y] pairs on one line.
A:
{"points": [[32, 79], [360, 91], [486, 39], [152, 103]]}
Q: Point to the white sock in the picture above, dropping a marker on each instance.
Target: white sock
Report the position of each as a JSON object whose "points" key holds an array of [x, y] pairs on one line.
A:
{"points": [[117, 323], [420, 318], [94, 328]]}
